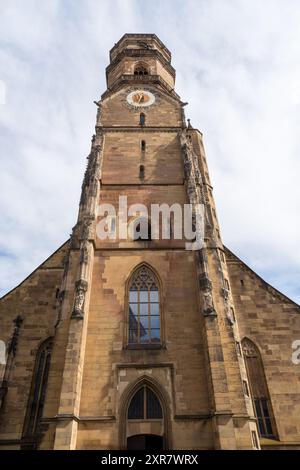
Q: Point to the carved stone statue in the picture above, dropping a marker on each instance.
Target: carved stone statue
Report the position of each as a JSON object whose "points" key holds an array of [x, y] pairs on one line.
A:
{"points": [[12, 348], [84, 254], [249, 349], [79, 300], [187, 168], [208, 304], [225, 293], [59, 302], [229, 317], [81, 288], [86, 230]]}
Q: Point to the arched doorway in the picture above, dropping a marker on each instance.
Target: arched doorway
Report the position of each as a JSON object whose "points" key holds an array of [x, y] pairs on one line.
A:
{"points": [[145, 442], [144, 417]]}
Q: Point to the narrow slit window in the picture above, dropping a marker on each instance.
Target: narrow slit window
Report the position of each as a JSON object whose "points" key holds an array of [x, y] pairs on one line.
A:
{"points": [[142, 119], [142, 171]]}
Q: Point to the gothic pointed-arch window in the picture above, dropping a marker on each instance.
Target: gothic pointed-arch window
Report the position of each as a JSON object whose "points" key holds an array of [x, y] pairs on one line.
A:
{"points": [[145, 405], [259, 389], [144, 319], [38, 390]]}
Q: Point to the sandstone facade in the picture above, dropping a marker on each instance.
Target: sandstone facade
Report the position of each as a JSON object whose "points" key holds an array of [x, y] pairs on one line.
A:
{"points": [[74, 378]]}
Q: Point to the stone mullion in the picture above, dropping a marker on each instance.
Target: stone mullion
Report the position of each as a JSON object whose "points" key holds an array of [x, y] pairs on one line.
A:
{"points": [[82, 243]]}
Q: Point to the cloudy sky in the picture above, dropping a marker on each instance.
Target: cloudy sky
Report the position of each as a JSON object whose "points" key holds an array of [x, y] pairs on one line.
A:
{"points": [[237, 65]]}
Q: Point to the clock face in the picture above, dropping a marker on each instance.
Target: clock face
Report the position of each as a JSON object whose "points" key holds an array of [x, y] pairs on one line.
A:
{"points": [[140, 98]]}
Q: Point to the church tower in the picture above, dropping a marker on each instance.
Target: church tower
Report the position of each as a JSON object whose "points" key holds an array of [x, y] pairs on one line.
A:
{"points": [[132, 339], [152, 322]]}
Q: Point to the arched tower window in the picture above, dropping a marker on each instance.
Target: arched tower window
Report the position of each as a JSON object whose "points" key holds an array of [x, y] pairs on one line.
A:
{"points": [[141, 227], [140, 69], [142, 119], [259, 389], [144, 308], [142, 171], [145, 405], [38, 390]]}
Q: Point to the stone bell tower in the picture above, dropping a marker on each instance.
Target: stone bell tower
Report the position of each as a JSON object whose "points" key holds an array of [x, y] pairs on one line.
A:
{"points": [[127, 341], [191, 360]]}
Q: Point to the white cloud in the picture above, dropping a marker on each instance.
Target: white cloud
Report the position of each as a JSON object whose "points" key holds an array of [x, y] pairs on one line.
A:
{"points": [[237, 65]]}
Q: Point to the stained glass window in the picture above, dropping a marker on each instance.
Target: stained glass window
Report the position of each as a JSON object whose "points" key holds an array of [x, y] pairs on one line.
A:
{"points": [[39, 386], [144, 308], [145, 405], [259, 389]]}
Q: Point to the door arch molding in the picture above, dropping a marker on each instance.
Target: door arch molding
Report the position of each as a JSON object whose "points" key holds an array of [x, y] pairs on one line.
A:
{"points": [[125, 400]]}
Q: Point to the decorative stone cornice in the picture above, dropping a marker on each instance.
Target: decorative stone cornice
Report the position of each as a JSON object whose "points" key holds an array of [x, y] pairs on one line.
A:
{"points": [[139, 37], [140, 54], [106, 129], [129, 79]]}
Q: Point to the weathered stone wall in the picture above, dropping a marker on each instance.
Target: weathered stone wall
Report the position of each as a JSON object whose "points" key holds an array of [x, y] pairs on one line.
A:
{"points": [[122, 158], [115, 111], [35, 300], [127, 66], [272, 322], [197, 370], [110, 367]]}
